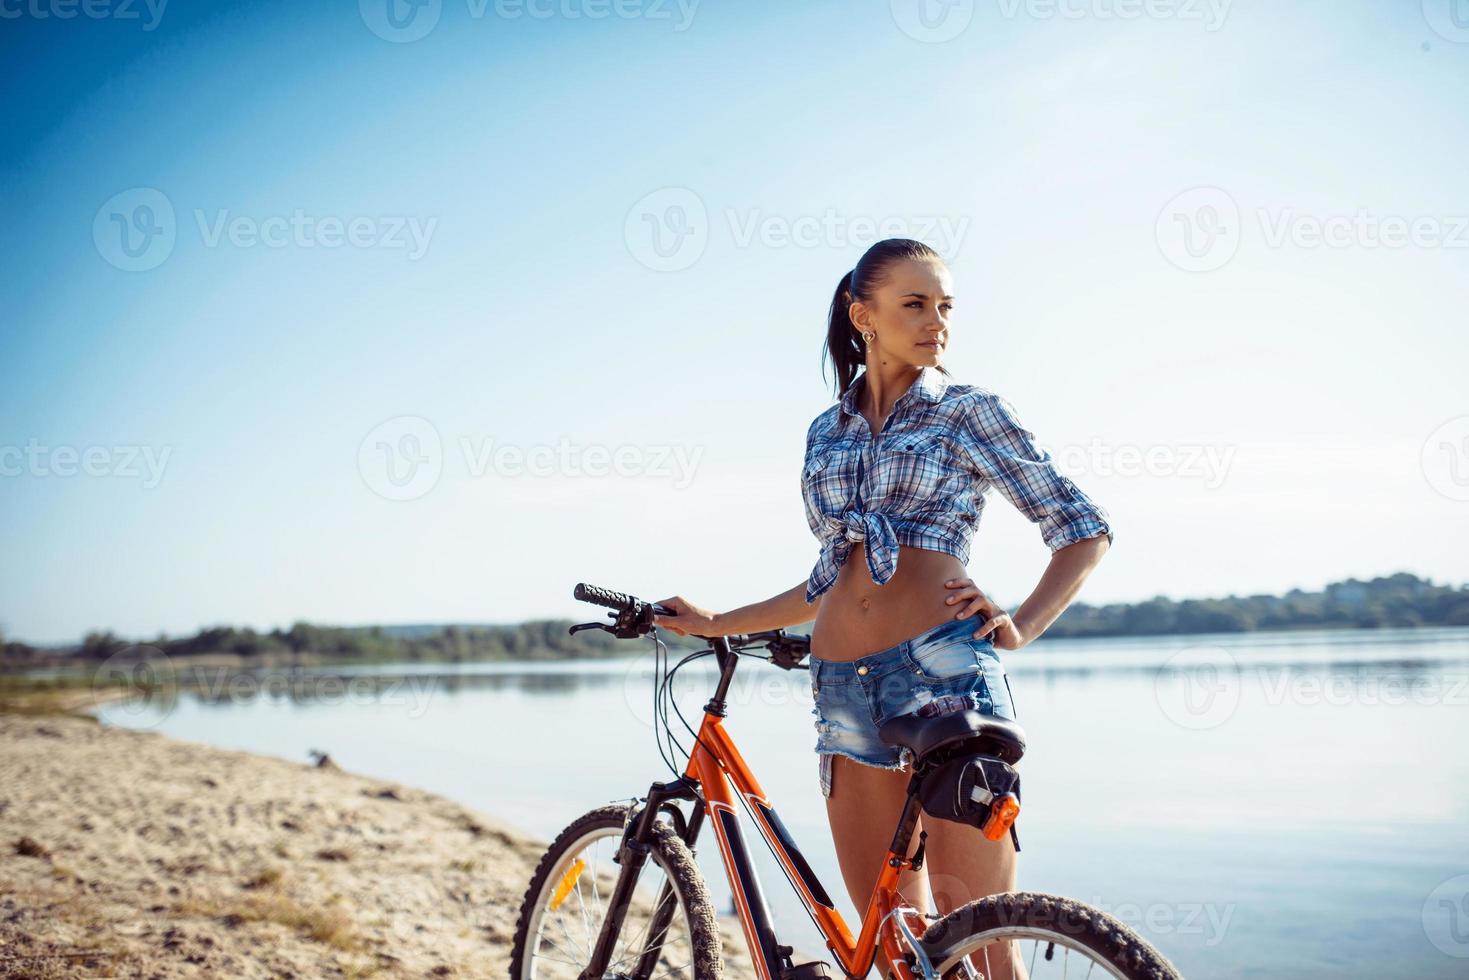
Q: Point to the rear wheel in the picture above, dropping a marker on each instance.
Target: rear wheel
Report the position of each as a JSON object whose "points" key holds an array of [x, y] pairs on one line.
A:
{"points": [[1046, 935], [567, 901]]}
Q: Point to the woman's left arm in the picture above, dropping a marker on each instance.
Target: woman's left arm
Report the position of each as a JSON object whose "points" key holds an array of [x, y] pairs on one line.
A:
{"points": [[1076, 529], [1055, 591]]}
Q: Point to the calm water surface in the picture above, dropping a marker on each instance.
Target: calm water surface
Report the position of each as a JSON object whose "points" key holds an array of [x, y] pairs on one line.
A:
{"points": [[1261, 805]]}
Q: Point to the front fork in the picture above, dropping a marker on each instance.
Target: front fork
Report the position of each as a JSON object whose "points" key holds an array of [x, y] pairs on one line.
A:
{"points": [[636, 845]]}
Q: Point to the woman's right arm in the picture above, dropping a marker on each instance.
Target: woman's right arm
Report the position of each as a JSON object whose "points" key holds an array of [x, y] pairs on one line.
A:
{"points": [[789, 608]]}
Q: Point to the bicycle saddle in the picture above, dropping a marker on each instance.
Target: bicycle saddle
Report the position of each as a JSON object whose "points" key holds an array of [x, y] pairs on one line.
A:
{"points": [[995, 736]]}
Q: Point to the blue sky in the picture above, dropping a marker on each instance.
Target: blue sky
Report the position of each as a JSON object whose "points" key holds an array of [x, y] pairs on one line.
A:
{"points": [[623, 231]]}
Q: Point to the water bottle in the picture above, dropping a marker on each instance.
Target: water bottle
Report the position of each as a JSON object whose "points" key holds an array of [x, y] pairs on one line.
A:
{"points": [[948, 704]]}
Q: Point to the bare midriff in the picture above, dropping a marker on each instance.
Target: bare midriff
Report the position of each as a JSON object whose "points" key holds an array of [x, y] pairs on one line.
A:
{"points": [[857, 616]]}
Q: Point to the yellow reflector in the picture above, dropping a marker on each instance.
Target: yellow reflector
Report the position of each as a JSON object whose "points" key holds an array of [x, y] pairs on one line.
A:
{"points": [[567, 883]]}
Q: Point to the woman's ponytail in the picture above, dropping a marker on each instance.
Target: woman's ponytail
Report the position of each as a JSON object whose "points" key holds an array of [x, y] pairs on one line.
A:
{"points": [[842, 343]]}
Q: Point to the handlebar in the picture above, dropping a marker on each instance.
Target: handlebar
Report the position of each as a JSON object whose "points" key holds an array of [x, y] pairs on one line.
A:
{"points": [[633, 617]]}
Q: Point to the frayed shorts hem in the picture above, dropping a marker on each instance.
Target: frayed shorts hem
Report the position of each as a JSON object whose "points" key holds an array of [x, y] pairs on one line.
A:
{"points": [[825, 764]]}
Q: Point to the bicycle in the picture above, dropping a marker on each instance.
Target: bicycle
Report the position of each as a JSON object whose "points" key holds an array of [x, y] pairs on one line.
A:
{"points": [[627, 932]]}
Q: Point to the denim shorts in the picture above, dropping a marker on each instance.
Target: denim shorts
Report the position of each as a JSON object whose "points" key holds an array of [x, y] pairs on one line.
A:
{"points": [[853, 698]]}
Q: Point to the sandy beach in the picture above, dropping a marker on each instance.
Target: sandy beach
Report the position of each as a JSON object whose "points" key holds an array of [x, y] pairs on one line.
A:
{"points": [[134, 854]]}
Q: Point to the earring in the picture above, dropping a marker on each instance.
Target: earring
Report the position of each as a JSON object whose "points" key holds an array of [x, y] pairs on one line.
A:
{"points": [[867, 336]]}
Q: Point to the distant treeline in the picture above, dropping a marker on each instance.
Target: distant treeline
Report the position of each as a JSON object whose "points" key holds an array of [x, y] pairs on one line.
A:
{"points": [[308, 643], [1396, 600]]}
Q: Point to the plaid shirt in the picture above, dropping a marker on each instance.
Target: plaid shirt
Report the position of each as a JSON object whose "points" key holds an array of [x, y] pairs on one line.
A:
{"points": [[922, 483]]}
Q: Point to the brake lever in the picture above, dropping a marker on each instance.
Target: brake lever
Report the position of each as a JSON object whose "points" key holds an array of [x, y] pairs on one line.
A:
{"points": [[784, 656], [589, 626]]}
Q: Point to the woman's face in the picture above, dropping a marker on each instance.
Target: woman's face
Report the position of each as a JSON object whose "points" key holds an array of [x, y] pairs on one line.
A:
{"points": [[910, 313]]}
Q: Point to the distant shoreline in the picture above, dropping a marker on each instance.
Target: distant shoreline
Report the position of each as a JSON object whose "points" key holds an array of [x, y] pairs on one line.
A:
{"points": [[70, 672], [1400, 601]]}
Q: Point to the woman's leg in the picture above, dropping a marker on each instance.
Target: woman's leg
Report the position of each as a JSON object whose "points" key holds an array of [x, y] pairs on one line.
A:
{"points": [[863, 809], [964, 866]]}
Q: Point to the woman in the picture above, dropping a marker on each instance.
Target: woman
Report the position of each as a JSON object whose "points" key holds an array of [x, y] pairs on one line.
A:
{"points": [[894, 611]]}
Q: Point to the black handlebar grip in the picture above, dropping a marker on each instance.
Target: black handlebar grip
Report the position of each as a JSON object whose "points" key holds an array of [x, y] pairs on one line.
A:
{"points": [[603, 597]]}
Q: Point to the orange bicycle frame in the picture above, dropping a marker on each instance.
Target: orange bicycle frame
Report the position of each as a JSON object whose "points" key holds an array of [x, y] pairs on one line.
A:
{"points": [[715, 763]]}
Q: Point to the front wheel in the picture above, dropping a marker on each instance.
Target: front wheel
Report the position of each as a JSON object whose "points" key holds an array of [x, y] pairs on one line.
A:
{"points": [[1027, 934], [567, 900]]}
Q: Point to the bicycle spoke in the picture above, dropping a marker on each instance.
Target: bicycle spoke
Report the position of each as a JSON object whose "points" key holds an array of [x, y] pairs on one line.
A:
{"points": [[562, 930]]}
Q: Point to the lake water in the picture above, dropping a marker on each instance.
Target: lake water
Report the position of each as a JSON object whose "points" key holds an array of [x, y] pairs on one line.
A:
{"points": [[1259, 805]]}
